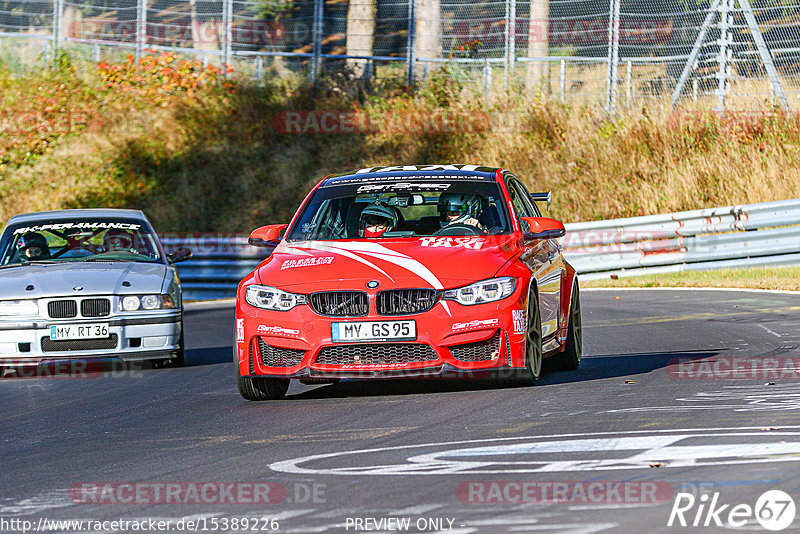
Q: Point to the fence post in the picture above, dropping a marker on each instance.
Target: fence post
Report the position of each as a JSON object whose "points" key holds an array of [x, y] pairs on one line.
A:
{"points": [[512, 36], [698, 43], [722, 58], [629, 92], [563, 80], [227, 28], [141, 27], [58, 10], [775, 82], [487, 77], [258, 69], [506, 35], [316, 35], [613, 57], [411, 55]]}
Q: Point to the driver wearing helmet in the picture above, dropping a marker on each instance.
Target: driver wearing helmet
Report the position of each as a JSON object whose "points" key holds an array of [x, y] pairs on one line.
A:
{"points": [[460, 208], [377, 219], [118, 241], [33, 246]]}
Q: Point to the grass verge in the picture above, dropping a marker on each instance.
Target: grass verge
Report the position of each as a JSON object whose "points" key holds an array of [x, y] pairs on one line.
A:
{"points": [[782, 278], [199, 151]]}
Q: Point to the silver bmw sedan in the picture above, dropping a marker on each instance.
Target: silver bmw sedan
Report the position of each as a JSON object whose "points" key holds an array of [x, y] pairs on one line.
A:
{"points": [[88, 284]]}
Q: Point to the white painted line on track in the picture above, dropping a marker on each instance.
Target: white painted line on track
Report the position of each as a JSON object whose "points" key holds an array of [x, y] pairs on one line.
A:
{"points": [[683, 288], [416, 510], [768, 330], [572, 528], [643, 446]]}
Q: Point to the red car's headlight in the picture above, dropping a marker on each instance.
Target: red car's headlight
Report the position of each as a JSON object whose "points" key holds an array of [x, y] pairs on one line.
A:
{"points": [[482, 292], [270, 298]]}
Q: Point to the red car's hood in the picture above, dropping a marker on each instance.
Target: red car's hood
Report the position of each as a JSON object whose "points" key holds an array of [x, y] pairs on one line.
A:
{"points": [[438, 262]]}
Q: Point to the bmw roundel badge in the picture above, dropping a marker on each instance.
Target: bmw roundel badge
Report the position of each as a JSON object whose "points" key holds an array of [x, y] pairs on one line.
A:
{"points": [[77, 288], [372, 284]]}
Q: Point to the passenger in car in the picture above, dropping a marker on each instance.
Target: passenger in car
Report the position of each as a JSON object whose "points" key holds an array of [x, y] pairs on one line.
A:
{"points": [[33, 246]]}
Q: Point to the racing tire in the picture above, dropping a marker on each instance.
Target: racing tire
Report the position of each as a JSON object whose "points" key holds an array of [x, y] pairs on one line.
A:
{"points": [[570, 358], [179, 358], [533, 343], [261, 388], [254, 388]]}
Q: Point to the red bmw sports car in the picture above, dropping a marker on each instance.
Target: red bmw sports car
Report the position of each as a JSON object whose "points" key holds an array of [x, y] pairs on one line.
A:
{"points": [[408, 271]]}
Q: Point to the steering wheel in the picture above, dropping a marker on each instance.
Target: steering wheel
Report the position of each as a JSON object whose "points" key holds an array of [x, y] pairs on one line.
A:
{"points": [[459, 229]]}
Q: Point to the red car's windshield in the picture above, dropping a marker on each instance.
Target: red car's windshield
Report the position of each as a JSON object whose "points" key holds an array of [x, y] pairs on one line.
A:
{"points": [[402, 208]]}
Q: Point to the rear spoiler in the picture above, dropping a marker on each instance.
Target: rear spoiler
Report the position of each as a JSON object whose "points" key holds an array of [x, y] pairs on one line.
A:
{"points": [[543, 197]]}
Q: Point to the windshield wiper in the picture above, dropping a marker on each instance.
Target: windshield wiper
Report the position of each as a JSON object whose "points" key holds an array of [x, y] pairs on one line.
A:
{"points": [[27, 262]]}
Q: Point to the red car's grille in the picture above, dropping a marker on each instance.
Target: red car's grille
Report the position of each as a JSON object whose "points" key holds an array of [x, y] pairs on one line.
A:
{"points": [[279, 357], [48, 345], [376, 354], [340, 303], [405, 301], [478, 351]]}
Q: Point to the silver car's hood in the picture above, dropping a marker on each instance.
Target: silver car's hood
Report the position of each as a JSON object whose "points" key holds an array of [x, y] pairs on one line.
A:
{"points": [[60, 279]]}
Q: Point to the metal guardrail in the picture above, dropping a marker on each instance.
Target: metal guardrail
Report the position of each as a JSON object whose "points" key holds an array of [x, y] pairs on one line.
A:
{"points": [[732, 236], [728, 237]]}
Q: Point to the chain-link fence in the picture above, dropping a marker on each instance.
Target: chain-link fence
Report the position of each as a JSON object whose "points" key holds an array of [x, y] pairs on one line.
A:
{"points": [[617, 53]]}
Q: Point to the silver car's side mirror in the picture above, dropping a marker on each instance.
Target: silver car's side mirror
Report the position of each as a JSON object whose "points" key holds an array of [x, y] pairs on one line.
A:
{"points": [[180, 254]]}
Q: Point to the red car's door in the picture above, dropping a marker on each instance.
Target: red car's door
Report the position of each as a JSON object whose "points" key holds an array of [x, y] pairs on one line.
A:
{"points": [[542, 256]]}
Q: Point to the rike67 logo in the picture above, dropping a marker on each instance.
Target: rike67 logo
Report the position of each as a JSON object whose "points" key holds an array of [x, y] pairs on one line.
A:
{"points": [[774, 510]]}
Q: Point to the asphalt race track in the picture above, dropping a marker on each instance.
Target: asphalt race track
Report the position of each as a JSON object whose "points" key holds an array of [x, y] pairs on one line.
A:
{"points": [[681, 392]]}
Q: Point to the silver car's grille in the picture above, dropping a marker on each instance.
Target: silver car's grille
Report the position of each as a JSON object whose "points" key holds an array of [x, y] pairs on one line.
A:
{"points": [[48, 345], [95, 307], [279, 357], [376, 354], [62, 309], [340, 303], [405, 301], [479, 351]]}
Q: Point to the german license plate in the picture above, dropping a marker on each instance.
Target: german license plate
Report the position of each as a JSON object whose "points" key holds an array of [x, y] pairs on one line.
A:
{"points": [[373, 331], [64, 332]]}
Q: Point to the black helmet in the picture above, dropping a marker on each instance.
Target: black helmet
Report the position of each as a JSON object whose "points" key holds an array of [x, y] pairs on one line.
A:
{"points": [[466, 205], [33, 246], [380, 215], [115, 239]]}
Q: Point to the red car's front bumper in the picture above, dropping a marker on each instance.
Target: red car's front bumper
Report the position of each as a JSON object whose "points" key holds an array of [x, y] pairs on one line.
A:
{"points": [[452, 339]]}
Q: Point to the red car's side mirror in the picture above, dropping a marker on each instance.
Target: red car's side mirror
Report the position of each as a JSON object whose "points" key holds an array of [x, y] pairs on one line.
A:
{"points": [[267, 236], [542, 228]]}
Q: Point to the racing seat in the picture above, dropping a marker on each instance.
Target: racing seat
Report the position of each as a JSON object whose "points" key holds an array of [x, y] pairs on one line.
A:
{"points": [[489, 217]]}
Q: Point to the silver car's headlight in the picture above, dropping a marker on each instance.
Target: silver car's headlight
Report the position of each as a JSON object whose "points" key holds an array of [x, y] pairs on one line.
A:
{"points": [[270, 298], [128, 303], [482, 292], [19, 307]]}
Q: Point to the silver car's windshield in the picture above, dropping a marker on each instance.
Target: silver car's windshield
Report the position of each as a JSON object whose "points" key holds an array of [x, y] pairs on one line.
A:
{"points": [[79, 240]]}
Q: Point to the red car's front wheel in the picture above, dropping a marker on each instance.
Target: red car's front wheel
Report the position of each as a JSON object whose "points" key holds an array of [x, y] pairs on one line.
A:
{"points": [[533, 343]]}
